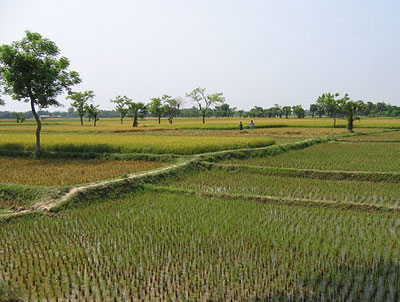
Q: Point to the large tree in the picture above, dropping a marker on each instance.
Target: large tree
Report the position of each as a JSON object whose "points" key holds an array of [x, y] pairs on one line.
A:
{"points": [[31, 70], [80, 101], [205, 101], [137, 109], [120, 106]]}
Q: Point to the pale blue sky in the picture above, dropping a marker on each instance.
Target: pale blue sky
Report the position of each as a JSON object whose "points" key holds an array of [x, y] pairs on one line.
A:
{"points": [[257, 53]]}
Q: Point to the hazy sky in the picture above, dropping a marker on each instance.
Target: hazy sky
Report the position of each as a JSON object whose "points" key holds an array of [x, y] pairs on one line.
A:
{"points": [[256, 52]]}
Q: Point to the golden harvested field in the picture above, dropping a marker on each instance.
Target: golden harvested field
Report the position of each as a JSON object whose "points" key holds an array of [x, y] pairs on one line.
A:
{"points": [[62, 172], [126, 143]]}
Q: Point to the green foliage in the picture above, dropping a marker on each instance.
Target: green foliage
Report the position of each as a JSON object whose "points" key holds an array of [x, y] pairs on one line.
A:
{"points": [[121, 103], [224, 110], [299, 111], [287, 110], [92, 113], [136, 109], [80, 102], [205, 102], [30, 70]]}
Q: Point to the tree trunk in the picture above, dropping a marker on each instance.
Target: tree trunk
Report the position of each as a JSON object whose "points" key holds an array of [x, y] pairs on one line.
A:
{"points": [[159, 120], [204, 118], [81, 119], [135, 122], [95, 120], [38, 129], [350, 121], [122, 120], [334, 122]]}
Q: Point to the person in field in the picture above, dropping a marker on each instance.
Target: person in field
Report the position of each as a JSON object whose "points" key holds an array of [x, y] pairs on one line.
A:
{"points": [[240, 125], [251, 124]]}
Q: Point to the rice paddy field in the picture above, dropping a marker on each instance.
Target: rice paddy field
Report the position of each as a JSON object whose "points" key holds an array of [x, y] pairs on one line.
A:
{"points": [[253, 183], [366, 156], [125, 143], [62, 172], [392, 136], [265, 227], [149, 247]]}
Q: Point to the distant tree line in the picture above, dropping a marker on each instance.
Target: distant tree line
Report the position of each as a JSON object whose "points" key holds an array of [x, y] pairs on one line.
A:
{"points": [[380, 109]]}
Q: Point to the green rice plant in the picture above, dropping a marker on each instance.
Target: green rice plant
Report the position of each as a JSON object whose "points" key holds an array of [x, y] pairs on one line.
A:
{"points": [[252, 182], [335, 156], [390, 136], [152, 247]]}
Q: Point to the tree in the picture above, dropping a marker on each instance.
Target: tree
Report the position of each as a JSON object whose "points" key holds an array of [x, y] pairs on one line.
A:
{"points": [[287, 110], [330, 104], [276, 110], [157, 108], [224, 110], [92, 112], [137, 109], [205, 102], [350, 108], [80, 100], [31, 70], [257, 111], [313, 109], [240, 113], [19, 116], [320, 110], [172, 107], [299, 111], [121, 102]]}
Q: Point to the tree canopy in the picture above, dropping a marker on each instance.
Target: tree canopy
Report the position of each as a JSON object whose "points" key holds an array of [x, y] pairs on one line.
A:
{"points": [[120, 106], [205, 101], [80, 101]]}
